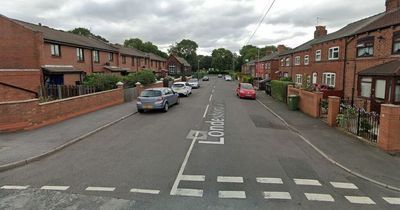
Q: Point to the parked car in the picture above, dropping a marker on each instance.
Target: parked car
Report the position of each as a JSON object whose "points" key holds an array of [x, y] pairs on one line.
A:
{"points": [[205, 78], [157, 99], [246, 90], [194, 83], [228, 78], [182, 88], [219, 75]]}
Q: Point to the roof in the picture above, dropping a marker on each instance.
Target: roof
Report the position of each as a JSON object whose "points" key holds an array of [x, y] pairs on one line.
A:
{"points": [[302, 47], [272, 56], [182, 60], [156, 57], [384, 20], [130, 51], [116, 69], [391, 68], [60, 36], [61, 69]]}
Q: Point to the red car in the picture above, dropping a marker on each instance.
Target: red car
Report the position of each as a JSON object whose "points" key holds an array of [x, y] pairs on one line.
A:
{"points": [[246, 90]]}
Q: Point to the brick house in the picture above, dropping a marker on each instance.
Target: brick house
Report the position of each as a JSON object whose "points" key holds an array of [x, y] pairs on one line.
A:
{"points": [[268, 66], [249, 68], [177, 66], [158, 64]]}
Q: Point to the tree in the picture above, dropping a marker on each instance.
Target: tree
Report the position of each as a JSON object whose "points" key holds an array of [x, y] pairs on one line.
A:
{"points": [[86, 32], [205, 61], [186, 49], [222, 59], [147, 47]]}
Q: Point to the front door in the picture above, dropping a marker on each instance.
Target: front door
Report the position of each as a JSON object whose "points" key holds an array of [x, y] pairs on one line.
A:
{"points": [[55, 79], [379, 94]]}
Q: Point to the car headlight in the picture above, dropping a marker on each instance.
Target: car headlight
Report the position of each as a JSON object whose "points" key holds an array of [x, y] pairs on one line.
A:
{"points": [[138, 102]]}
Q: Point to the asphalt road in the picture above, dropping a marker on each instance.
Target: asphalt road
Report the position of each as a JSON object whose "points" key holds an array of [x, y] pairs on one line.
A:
{"points": [[212, 151]]}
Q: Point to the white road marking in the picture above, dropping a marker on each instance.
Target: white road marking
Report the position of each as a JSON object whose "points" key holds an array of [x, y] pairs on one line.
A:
{"points": [[210, 97], [14, 187], [193, 178], [232, 194], [311, 182], [277, 195], [221, 141], [344, 185], [394, 201], [145, 191], [189, 192], [103, 189], [265, 180], [359, 199], [319, 197], [230, 179], [59, 188], [183, 166], [205, 112]]}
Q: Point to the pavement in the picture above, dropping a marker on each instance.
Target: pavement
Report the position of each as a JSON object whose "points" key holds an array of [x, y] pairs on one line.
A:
{"points": [[344, 148], [212, 151]]}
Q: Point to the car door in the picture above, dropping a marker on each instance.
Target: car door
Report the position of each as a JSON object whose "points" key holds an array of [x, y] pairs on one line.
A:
{"points": [[168, 96], [173, 96], [188, 87]]}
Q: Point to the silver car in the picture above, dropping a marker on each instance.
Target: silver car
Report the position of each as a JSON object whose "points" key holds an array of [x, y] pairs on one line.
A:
{"points": [[157, 99], [182, 88], [194, 83]]}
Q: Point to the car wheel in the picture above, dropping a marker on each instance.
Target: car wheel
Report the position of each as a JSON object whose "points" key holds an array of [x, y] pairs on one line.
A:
{"points": [[166, 107], [140, 110]]}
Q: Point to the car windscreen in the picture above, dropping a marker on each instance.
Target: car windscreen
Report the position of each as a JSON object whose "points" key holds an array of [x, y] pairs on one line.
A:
{"points": [[178, 85], [247, 86], [193, 80], [151, 93]]}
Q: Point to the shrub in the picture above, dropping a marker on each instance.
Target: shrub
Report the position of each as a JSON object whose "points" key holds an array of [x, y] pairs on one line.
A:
{"points": [[145, 77], [279, 89], [183, 79], [286, 79], [199, 74], [102, 82]]}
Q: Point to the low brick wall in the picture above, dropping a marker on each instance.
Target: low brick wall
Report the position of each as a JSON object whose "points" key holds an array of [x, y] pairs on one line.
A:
{"points": [[309, 101], [30, 114]]}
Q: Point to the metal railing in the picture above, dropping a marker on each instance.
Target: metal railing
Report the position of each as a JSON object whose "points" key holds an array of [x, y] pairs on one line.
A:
{"points": [[56, 92]]}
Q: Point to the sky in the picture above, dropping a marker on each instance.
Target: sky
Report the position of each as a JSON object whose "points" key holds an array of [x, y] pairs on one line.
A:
{"points": [[211, 23]]}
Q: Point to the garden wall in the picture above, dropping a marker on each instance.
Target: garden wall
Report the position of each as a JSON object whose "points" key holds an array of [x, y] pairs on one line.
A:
{"points": [[309, 101]]}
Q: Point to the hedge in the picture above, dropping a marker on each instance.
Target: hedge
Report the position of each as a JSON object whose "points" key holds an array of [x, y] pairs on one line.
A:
{"points": [[102, 82], [279, 89]]}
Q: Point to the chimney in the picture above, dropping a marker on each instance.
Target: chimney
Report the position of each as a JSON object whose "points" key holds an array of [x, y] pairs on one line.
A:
{"points": [[40, 24], [392, 5], [320, 31], [281, 48], [268, 52]]}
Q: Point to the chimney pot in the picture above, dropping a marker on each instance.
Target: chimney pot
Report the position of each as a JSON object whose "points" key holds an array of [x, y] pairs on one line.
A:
{"points": [[392, 5], [281, 48], [320, 31]]}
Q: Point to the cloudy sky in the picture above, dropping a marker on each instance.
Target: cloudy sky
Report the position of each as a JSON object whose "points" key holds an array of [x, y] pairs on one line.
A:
{"points": [[211, 23]]}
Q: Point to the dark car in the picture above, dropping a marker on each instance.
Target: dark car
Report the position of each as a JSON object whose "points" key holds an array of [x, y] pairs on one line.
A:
{"points": [[157, 99], [205, 78]]}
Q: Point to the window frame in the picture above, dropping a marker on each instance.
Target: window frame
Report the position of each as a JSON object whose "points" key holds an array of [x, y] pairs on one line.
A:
{"points": [[110, 56], [325, 78], [396, 83], [80, 54], [96, 56], [331, 51], [306, 60], [360, 86], [54, 52], [287, 61], [365, 41], [299, 79], [297, 60], [123, 58], [396, 35], [318, 55], [282, 62]]}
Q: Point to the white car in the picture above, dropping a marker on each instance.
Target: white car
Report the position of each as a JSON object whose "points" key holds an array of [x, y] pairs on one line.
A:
{"points": [[194, 83], [228, 78], [182, 88]]}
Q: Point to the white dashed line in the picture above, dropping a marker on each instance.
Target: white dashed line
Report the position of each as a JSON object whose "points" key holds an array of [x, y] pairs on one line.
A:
{"points": [[58, 188], [359, 199], [343, 185], [145, 191], [311, 182], [319, 197], [211, 96], [394, 201], [193, 178], [103, 189], [189, 192], [205, 112], [277, 195], [232, 194], [265, 180], [14, 187], [230, 179]]}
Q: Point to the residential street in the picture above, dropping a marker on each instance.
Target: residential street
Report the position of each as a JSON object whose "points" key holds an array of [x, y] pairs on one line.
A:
{"points": [[212, 151]]}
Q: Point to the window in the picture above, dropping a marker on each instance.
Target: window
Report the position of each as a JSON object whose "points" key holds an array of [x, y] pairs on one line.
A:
{"points": [[55, 50], [365, 47], [396, 42], [287, 61], [133, 61], [299, 79], [318, 55], [329, 79], [397, 92], [286, 75], [366, 86], [79, 54], [333, 53], [124, 59], [315, 78], [380, 89], [297, 60], [306, 60], [110, 56], [282, 62], [96, 56], [171, 69]]}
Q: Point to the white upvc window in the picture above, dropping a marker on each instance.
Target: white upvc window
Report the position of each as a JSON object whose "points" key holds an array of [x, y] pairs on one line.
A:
{"points": [[329, 79], [299, 79], [96, 56], [318, 55], [55, 50], [315, 78], [333, 53], [287, 61], [306, 60], [282, 62], [366, 87], [297, 60]]}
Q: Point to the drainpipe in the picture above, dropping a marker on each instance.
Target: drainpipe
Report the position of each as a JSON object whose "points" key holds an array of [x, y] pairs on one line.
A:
{"points": [[347, 42]]}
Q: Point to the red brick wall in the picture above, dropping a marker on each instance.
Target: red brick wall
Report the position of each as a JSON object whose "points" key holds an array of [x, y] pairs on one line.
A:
{"points": [[128, 63], [309, 102], [71, 79], [26, 115], [302, 69], [20, 47], [8, 93], [389, 133], [99, 67], [27, 79]]}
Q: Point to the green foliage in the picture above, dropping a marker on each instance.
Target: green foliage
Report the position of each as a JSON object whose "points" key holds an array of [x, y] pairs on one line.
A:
{"points": [[186, 49], [86, 32], [102, 82], [286, 79], [145, 77], [279, 89], [222, 59], [205, 61], [199, 74], [147, 47]]}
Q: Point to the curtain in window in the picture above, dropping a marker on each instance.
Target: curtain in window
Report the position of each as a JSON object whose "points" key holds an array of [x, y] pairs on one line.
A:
{"points": [[380, 89]]}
